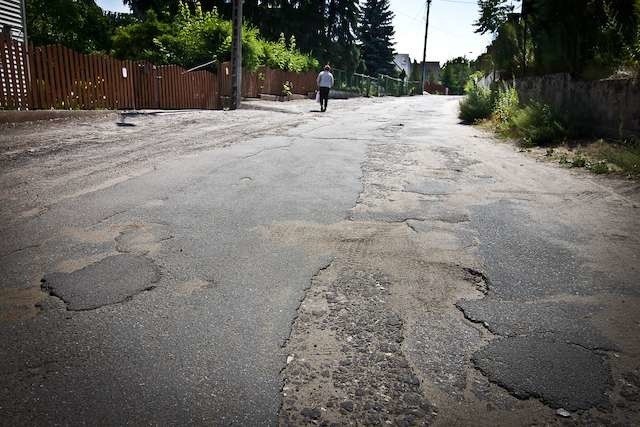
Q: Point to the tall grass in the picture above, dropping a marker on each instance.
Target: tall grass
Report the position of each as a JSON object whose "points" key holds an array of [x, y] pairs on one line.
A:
{"points": [[537, 124]]}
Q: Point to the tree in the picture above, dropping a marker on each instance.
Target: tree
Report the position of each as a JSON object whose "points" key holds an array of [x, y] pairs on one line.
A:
{"points": [[493, 14], [78, 24], [455, 74], [138, 40], [587, 38], [376, 33]]}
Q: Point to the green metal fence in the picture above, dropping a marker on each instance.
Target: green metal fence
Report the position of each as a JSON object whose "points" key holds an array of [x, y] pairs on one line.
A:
{"points": [[371, 86]]}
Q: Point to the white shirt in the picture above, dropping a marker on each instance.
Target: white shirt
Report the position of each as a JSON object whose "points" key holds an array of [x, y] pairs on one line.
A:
{"points": [[325, 79]]}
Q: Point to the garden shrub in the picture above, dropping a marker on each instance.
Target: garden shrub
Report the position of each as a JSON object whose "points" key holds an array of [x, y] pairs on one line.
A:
{"points": [[477, 105]]}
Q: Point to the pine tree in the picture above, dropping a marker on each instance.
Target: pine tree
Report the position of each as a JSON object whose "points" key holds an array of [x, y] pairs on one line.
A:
{"points": [[376, 33]]}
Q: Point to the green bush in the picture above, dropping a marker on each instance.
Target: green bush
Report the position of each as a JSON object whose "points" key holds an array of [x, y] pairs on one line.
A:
{"points": [[477, 105], [536, 124], [279, 56], [506, 105]]}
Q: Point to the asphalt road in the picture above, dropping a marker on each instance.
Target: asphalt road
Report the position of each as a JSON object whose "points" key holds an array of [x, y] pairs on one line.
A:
{"points": [[379, 263]]}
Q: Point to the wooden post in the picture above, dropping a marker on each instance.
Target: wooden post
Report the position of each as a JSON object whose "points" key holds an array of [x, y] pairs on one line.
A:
{"points": [[424, 52]]}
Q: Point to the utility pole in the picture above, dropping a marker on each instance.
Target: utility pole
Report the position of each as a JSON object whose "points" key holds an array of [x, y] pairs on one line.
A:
{"points": [[236, 55], [424, 52], [524, 13]]}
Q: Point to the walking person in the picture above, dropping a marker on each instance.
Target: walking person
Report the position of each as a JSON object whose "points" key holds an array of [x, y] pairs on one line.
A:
{"points": [[325, 83]]}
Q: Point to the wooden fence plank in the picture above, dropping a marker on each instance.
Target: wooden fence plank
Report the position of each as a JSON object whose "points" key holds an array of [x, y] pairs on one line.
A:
{"points": [[117, 66], [68, 80], [112, 80], [73, 93], [36, 93], [170, 101], [22, 73], [129, 85], [49, 76], [15, 64], [94, 81], [91, 81], [106, 102], [176, 97], [56, 81], [5, 80], [32, 101], [69, 77], [46, 78], [82, 80], [6, 73], [111, 76]]}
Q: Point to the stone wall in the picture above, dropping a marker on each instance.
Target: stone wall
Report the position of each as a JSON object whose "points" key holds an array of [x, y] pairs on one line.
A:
{"points": [[606, 107]]}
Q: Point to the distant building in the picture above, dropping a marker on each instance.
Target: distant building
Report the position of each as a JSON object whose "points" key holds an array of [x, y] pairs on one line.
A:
{"points": [[12, 19], [402, 61], [433, 71]]}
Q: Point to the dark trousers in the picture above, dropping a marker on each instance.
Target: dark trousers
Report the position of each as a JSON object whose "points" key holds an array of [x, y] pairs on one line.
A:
{"points": [[324, 97]]}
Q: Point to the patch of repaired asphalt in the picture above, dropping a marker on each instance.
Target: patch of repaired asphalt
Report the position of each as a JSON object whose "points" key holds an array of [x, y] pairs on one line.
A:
{"points": [[527, 264], [563, 322], [429, 187], [110, 281], [561, 375], [346, 363]]}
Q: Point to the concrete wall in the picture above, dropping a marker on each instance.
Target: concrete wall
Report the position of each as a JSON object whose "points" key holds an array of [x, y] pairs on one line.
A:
{"points": [[607, 107]]}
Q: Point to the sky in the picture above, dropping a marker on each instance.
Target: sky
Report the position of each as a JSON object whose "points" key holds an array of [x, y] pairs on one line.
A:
{"points": [[451, 31]]}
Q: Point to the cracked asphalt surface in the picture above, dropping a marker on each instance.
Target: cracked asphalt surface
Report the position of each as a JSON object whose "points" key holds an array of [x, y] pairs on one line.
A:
{"points": [[380, 264]]}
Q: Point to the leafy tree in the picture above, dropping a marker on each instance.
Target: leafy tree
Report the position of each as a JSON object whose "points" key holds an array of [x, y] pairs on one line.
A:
{"points": [[376, 33], [455, 74], [138, 40], [587, 38], [493, 14], [484, 63], [78, 24]]}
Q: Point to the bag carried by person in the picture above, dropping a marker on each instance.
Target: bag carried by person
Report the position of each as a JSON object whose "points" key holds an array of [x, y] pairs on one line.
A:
{"points": [[317, 96]]}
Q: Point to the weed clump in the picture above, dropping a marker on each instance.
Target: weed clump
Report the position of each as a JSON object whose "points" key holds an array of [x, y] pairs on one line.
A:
{"points": [[537, 124], [599, 168], [507, 104], [578, 162]]}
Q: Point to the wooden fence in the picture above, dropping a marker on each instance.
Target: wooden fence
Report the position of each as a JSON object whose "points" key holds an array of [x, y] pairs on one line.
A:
{"points": [[14, 75], [55, 77], [267, 81]]}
